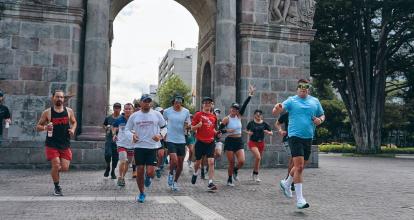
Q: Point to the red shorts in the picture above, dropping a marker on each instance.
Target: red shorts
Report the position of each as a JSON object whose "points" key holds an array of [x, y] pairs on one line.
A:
{"points": [[52, 153], [259, 145], [130, 152]]}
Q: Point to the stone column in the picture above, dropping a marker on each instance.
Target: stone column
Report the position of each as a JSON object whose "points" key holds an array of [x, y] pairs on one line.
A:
{"points": [[95, 76], [225, 54]]}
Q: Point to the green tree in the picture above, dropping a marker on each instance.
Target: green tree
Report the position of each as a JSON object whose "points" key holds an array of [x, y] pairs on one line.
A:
{"points": [[171, 87], [360, 46]]}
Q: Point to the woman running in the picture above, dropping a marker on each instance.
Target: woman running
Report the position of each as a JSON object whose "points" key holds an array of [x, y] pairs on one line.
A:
{"points": [[233, 144], [256, 129]]}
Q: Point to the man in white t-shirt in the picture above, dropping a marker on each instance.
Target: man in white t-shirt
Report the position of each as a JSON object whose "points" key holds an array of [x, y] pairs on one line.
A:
{"points": [[147, 125]]}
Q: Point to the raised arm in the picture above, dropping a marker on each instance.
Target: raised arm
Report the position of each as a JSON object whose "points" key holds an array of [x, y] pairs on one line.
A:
{"points": [[252, 89]]}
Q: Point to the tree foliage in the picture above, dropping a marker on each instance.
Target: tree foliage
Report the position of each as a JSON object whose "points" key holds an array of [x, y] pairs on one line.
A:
{"points": [[171, 87], [364, 47]]}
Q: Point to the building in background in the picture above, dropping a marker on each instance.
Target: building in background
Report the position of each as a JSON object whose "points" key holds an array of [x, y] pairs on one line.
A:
{"points": [[182, 63], [153, 92]]}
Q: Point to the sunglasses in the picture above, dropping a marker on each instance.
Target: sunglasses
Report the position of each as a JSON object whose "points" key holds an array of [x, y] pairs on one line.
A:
{"points": [[304, 86]]}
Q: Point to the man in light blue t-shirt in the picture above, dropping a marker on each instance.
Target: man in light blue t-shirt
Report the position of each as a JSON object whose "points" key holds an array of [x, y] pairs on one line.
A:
{"points": [[178, 119], [305, 113]]}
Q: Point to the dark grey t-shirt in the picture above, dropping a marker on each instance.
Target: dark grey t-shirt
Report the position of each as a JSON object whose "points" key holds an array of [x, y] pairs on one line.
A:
{"points": [[109, 121]]}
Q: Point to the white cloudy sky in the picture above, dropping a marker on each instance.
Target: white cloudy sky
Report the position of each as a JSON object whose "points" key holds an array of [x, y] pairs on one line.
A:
{"points": [[143, 31]]}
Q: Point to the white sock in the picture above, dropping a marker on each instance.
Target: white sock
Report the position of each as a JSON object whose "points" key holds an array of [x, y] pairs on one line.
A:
{"points": [[289, 180], [196, 173], [210, 181], [298, 190]]}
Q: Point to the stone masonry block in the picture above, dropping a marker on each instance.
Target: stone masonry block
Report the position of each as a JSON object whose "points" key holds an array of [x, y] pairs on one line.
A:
{"points": [[12, 87], [279, 85], [58, 86], [259, 46], [42, 59], [38, 88], [255, 58], [290, 73], [10, 27], [60, 31], [274, 72], [260, 71], [31, 73], [302, 61], [292, 85], [60, 60], [55, 74], [247, 17], [260, 84], [247, 5], [24, 43], [267, 59], [245, 71], [261, 6], [62, 3], [268, 98], [73, 76], [39, 30], [283, 60], [75, 47], [54, 45], [8, 72], [76, 33], [6, 56], [261, 18], [5, 42], [22, 58]]}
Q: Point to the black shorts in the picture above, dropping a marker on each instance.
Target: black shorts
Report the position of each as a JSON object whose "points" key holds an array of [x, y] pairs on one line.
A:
{"points": [[233, 144], [300, 147], [178, 149], [144, 156], [204, 149]]}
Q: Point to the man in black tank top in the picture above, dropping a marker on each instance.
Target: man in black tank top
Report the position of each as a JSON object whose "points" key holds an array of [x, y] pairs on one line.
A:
{"points": [[60, 124]]}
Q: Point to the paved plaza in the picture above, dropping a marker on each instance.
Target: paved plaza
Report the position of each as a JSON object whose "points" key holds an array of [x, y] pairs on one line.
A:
{"points": [[342, 188]]}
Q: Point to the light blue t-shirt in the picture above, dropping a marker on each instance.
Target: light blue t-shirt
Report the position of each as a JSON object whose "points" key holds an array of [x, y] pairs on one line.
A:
{"points": [[175, 124], [301, 111]]}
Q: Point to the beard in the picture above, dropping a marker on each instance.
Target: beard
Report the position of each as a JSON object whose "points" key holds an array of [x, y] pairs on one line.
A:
{"points": [[59, 103]]}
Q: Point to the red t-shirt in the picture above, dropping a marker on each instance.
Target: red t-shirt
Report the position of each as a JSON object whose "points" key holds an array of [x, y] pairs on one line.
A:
{"points": [[207, 131]]}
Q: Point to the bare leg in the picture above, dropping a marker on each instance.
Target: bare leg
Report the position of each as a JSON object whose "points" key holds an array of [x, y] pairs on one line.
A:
{"points": [[140, 178], [180, 161]]}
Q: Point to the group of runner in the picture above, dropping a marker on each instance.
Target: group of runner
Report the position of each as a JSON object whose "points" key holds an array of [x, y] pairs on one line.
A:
{"points": [[139, 136]]}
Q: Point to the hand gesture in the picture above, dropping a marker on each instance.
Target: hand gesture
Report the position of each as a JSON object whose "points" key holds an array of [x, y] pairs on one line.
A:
{"points": [[250, 133], [135, 138], [282, 133], [71, 132], [199, 124], [157, 137], [252, 89], [317, 121], [115, 138]]}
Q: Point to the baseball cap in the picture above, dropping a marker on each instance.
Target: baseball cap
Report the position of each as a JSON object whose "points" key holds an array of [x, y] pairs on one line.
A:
{"points": [[235, 105], [146, 97], [117, 105], [206, 98], [258, 111], [178, 98], [217, 110]]}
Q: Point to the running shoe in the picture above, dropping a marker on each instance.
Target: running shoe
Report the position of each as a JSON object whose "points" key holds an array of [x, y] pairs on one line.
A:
{"points": [[256, 178], [286, 190], [203, 176], [302, 204], [141, 198], [235, 176], [147, 181], [193, 179], [211, 187], [158, 173], [230, 183], [170, 180], [58, 191], [106, 174], [175, 187], [292, 187], [113, 176], [119, 183]]}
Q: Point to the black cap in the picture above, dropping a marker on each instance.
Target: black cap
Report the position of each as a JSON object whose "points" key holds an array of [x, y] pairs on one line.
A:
{"points": [[117, 105], [1, 94], [146, 97], [258, 110], [206, 98], [235, 105], [178, 97]]}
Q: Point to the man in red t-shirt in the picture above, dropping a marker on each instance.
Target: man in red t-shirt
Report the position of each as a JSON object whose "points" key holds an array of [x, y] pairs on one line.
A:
{"points": [[204, 123]]}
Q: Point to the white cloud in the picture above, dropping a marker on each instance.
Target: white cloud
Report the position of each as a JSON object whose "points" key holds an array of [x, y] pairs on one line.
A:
{"points": [[142, 34]]}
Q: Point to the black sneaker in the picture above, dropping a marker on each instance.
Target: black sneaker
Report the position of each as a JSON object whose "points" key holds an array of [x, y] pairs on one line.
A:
{"points": [[113, 176], [203, 176], [58, 191], [211, 187], [194, 179], [235, 172], [106, 174], [292, 187]]}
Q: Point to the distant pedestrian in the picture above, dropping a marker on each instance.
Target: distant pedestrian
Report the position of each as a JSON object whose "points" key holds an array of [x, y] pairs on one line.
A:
{"points": [[60, 124], [4, 116], [111, 153]]}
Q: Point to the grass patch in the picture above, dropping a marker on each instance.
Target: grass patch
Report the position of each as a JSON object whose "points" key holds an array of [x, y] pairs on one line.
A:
{"points": [[349, 149]]}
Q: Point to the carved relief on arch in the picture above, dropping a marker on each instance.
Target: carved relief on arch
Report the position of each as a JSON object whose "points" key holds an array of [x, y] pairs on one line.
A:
{"points": [[292, 12]]}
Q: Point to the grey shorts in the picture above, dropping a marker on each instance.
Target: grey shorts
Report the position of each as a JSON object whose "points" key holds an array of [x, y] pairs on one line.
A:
{"points": [[287, 148]]}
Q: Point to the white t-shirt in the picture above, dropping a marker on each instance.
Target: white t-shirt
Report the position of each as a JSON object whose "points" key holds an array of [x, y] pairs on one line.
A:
{"points": [[124, 136], [146, 126]]}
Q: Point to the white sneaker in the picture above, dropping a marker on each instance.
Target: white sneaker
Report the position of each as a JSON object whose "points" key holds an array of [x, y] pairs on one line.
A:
{"points": [[302, 204], [175, 187], [285, 189], [230, 183], [257, 179]]}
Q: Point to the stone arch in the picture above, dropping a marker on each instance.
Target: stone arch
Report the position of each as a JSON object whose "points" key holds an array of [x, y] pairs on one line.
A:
{"points": [[206, 80]]}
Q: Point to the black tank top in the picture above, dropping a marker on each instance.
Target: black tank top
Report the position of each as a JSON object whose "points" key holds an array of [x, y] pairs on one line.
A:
{"points": [[61, 137]]}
